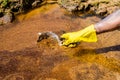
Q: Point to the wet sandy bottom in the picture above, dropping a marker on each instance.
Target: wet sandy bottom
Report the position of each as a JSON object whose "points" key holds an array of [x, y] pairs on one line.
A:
{"points": [[27, 64]]}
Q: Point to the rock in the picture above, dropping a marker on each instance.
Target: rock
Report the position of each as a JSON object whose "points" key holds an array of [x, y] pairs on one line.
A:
{"points": [[36, 3], [1, 12], [70, 5], [7, 18], [99, 7], [15, 7], [14, 0]]}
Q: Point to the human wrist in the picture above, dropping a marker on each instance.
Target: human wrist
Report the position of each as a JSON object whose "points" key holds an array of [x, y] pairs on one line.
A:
{"points": [[97, 28], [100, 27]]}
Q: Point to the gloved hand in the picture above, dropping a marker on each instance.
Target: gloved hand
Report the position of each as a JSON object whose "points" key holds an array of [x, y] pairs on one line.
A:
{"points": [[87, 35]]}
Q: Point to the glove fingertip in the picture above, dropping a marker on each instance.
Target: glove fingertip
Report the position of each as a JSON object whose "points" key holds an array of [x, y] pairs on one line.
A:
{"points": [[63, 37], [65, 43], [72, 45]]}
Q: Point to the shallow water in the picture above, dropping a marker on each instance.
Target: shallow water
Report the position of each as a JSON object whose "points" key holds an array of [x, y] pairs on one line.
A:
{"points": [[21, 57]]}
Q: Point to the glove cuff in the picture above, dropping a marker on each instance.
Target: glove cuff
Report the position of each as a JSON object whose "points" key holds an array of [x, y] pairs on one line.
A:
{"points": [[89, 34]]}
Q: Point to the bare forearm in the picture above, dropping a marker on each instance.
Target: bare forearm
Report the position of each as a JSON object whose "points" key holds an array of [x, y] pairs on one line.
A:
{"points": [[109, 23]]}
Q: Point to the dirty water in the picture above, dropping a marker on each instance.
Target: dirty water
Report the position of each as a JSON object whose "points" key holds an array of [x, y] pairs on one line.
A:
{"points": [[22, 58]]}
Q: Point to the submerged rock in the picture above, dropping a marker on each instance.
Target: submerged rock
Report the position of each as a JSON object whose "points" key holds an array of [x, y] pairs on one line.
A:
{"points": [[46, 35]]}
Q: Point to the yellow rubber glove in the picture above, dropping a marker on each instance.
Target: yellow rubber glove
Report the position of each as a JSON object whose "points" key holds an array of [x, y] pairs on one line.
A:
{"points": [[87, 35]]}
